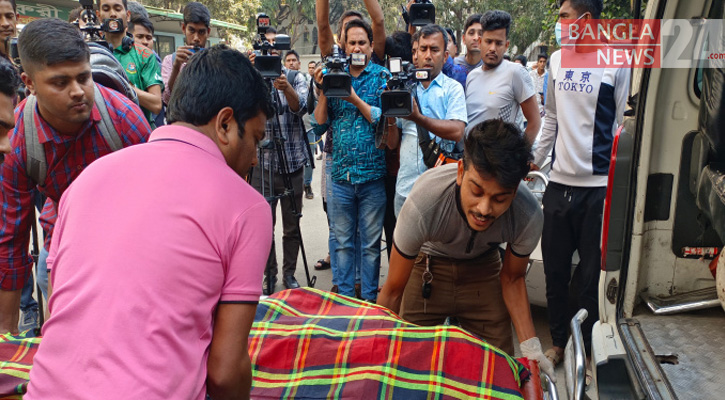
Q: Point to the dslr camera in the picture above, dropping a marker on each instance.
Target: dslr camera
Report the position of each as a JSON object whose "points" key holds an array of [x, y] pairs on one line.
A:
{"points": [[335, 81], [398, 100], [422, 13], [270, 66]]}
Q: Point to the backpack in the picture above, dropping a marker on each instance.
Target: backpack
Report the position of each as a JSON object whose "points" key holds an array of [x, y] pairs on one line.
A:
{"points": [[109, 72], [36, 163]]}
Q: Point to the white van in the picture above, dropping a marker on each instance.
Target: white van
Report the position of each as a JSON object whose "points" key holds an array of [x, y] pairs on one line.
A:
{"points": [[659, 336]]}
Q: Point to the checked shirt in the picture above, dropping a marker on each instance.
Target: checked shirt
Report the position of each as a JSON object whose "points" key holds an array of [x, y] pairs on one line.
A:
{"points": [[66, 157]]}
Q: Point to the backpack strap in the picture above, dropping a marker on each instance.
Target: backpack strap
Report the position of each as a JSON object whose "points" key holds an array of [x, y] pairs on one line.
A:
{"points": [[36, 163], [108, 130]]}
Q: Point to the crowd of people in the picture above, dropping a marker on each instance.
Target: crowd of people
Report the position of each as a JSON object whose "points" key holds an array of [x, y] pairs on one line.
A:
{"points": [[194, 207]]}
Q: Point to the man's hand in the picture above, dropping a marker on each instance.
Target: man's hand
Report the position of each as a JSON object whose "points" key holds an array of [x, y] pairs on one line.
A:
{"points": [[252, 56], [415, 114], [531, 349], [182, 55], [281, 83], [352, 98], [533, 167], [318, 74]]}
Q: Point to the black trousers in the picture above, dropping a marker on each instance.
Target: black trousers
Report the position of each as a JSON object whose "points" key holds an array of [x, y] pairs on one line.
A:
{"points": [[290, 234], [572, 222]]}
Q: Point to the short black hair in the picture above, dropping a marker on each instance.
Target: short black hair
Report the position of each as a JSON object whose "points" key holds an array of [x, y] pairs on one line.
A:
{"points": [[75, 14], [271, 29], [452, 35], [294, 53], [347, 14], [594, 7], [50, 41], [544, 56], [507, 57], [496, 19], [125, 4], [472, 19], [312, 62], [137, 8], [521, 58], [137, 19], [498, 149], [358, 23], [219, 75], [399, 44], [196, 13], [9, 78], [432, 29]]}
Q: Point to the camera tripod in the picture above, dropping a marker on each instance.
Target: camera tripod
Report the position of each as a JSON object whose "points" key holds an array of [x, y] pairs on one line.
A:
{"points": [[275, 146]]}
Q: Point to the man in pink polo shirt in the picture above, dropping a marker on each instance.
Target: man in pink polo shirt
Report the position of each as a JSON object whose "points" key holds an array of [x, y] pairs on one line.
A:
{"points": [[158, 254]]}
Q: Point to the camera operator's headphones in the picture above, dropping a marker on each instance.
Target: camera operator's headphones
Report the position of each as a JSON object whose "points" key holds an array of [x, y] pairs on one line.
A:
{"points": [[127, 42]]}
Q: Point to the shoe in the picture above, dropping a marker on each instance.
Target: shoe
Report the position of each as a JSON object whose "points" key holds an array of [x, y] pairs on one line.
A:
{"points": [[335, 289], [319, 157], [265, 290], [308, 192], [290, 282], [29, 321], [321, 265]]}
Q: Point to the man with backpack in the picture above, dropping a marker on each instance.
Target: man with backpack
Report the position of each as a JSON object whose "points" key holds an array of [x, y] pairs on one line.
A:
{"points": [[291, 93], [66, 123], [141, 67]]}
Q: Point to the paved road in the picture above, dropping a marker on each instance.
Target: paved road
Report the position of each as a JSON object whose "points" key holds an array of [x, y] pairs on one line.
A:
{"points": [[314, 235]]}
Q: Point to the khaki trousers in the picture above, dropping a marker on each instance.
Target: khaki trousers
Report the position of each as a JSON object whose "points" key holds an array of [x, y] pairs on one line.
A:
{"points": [[469, 290]]}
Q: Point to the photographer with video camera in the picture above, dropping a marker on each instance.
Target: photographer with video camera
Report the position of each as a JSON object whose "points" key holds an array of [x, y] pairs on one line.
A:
{"points": [[358, 167], [196, 29], [438, 109], [142, 69], [59, 130], [269, 178]]}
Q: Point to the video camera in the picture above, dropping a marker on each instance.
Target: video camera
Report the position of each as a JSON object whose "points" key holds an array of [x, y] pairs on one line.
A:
{"points": [[398, 100], [422, 13], [336, 82], [270, 66], [93, 28]]}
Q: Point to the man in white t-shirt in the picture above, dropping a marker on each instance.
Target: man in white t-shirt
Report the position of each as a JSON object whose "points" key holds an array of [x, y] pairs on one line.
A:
{"points": [[500, 89], [538, 75], [584, 106]]}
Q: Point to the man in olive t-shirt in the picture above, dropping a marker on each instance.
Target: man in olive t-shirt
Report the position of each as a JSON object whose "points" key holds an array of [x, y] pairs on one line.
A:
{"points": [[447, 236]]}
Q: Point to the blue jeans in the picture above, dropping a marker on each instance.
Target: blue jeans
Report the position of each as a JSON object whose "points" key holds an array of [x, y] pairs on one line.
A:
{"points": [[331, 240], [359, 209], [27, 302]]}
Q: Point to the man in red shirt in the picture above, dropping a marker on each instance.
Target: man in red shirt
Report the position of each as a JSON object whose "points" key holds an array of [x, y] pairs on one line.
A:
{"points": [[68, 124]]}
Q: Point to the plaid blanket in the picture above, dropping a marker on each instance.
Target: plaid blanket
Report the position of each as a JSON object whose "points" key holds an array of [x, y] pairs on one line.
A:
{"points": [[16, 359], [310, 344]]}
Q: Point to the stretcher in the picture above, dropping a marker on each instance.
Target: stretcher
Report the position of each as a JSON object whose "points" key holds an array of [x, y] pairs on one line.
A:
{"points": [[311, 344]]}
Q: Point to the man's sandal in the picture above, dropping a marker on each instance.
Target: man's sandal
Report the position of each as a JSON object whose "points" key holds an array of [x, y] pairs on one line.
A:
{"points": [[322, 265], [554, 356]]}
